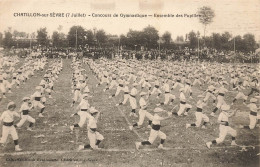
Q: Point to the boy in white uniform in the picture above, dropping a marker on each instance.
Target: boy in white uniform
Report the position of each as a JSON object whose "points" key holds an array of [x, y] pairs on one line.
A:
{"points": [[183, 104], [37, 98], [8, 125], [146, 83], [221, 93], [187, 87], [113, 82], [24, 110], [210, 93], [93, 135], [155, 131], [83, 108], [126, 94], [167, 94], [120, 87], [77, 93], [2, 86], [132, 100], [200, 116], [142, 112], [156, 88], [15, 80], [253, 116], [224, 127], [7, 84], [240, 94]]}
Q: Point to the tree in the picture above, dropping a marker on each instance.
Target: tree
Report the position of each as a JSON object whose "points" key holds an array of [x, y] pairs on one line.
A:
{"points": [[239, 43], [1, 39], [206, 16], [249, 42], [123, 39], [208, 41], [63, 40], [150, 36], [193, 39], [134, 38], [15, 34], [167, 37], [181, 39], [217, 44], [101, 36], [42, 36], [80, 33], [90, 37], [8, 40], [22, 34], [55, 38], [225, 38], [58, 38]]}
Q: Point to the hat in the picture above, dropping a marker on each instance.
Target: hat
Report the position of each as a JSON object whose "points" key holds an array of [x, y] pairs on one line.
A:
{"points": [[38, 87], [225, 107], [211, 87], [26, 98], [135, 84], [253, 100], [41, 84], [142, 93], [11, 104], [85, 95], [86, 90], [158, 109], [181, 89], [81, 78], [92, 110]]}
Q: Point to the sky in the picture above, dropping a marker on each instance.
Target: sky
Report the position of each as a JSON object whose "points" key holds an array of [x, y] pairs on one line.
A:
{"points": [[235, 16]]}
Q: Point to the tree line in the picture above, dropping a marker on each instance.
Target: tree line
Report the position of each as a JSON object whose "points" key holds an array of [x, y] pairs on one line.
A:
{"points": [[148, 38]]}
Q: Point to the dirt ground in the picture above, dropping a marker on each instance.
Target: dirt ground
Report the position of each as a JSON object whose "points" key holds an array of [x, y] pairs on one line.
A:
{"points": [[183, 147]]}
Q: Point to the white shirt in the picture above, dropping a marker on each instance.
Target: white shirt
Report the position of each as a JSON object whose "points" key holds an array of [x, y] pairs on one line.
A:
{"points": [[223, 117], [37, 94], [126, 89], [8, 116], [133, 91], [222, 90], [142, 103], [92, 122], [252, 107], [24, 106], [157, 119], [182, 97], [84, 104], [200, 104], [166, 87]]}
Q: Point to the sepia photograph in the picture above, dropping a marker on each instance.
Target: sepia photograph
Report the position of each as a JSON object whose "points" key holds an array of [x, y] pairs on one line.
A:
{"points": [[129, 83]]}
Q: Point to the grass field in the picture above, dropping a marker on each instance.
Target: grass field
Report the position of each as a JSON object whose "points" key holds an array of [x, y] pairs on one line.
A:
{"points": [[58, 145]]}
